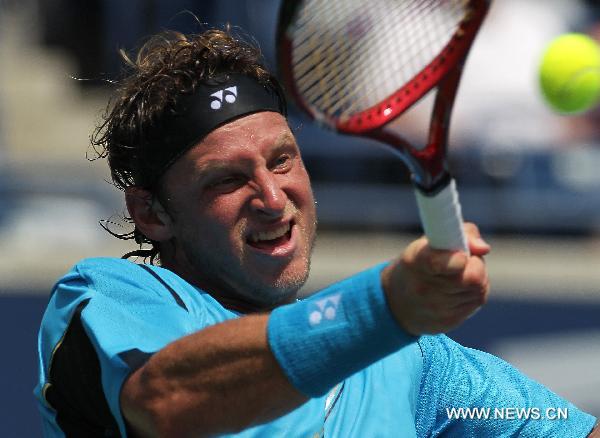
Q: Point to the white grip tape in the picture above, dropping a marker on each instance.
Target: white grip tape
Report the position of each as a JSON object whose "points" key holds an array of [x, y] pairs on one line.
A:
{"points": [[441, 218]]}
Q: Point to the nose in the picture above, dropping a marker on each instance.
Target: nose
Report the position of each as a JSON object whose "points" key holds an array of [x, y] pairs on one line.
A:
{"points": [[270, 199]]}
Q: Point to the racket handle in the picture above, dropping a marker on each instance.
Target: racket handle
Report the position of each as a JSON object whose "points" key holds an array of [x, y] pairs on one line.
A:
{"points": [[441, 218]]}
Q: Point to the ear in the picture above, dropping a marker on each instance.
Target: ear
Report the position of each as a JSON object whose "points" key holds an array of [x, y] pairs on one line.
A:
{"points": [[148, 214]]}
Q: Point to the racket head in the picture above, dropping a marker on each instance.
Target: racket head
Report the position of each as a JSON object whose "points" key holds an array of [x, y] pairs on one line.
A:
{"points": [[341, 66]]}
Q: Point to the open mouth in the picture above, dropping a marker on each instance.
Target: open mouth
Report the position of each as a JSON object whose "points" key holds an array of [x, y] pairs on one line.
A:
{"points": [[269, 240]]}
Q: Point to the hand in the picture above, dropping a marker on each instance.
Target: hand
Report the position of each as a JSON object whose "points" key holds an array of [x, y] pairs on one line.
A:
{"points": [[434, 291]]}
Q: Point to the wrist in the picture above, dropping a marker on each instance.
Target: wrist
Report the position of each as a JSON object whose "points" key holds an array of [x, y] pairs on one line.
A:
{"points": [[390, 276], [322, 340]]}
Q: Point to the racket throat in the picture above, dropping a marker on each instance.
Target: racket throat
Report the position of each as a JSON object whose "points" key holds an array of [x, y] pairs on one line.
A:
{"points": [[428, 165], [430, 168], [434, 187]]}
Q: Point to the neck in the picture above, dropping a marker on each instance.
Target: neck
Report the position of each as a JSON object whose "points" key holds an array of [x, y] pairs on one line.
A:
{"points": [[226, 296]]}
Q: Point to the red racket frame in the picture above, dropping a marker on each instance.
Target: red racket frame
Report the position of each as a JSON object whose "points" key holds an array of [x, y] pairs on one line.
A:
{"points": [[429, 163]]}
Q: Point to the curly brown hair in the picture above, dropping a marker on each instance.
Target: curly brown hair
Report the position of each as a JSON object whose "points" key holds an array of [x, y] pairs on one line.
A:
{"points": [[168, 66]]}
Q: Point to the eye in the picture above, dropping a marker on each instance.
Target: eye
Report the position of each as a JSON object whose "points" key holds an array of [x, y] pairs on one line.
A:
{"points": [[228, 182], [282, 162]]}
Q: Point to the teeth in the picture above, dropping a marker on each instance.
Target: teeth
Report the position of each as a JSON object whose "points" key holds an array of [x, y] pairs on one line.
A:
{"points": [[270, 235]]}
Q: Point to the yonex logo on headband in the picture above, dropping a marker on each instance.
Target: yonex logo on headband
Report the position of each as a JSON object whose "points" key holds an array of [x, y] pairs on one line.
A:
{"points": [[214, 102], [228, 95]]}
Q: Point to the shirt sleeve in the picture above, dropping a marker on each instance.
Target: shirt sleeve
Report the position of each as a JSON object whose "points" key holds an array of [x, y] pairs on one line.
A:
{"points": [[469, 393], [127, 314]]}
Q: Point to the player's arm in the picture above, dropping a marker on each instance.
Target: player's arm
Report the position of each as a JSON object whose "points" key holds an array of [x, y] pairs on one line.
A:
{"points": [[236, 374], [220, 379]]}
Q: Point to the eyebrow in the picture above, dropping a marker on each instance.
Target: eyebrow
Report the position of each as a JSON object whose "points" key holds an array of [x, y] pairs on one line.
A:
{"points": [[212, 166], [282, 142], [283, 138]]}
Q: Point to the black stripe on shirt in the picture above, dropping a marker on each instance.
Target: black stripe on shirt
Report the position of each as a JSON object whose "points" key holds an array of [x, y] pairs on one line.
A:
{"points": [[177, 298], [74, 389]]}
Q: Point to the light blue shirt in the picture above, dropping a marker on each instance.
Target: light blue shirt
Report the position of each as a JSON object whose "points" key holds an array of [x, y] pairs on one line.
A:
{"points": [[406, 394]]}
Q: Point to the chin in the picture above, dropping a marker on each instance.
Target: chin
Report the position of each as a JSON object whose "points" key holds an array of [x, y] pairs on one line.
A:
{"points": [[283, 287]]}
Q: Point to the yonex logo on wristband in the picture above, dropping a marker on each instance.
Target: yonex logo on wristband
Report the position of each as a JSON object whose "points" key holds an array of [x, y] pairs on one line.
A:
{"points": [[325, 309]]}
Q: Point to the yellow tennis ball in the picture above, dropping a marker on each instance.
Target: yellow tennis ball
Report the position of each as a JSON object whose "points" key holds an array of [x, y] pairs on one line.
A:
{"points": [[570, 73]]}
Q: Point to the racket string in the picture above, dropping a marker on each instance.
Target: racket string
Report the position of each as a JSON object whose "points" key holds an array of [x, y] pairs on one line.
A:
{"points": [[398, 71], [351, 63], [334, 53], [351, 59]]}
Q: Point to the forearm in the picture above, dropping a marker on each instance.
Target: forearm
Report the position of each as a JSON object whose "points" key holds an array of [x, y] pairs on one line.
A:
{"points": [[221, 379]]}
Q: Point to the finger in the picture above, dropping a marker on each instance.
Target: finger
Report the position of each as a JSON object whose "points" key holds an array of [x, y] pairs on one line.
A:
{"points": [[474, 297], [457, 316], [473, 279], [467, 310], [440, 262], [471, 229], [477, 246], [449, 301], [420, 257], [448, 263], [475, 274], [413, 254]]}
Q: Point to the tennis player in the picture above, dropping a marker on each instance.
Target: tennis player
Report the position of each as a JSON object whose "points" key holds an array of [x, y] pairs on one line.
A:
{"points": [[210, 339]]}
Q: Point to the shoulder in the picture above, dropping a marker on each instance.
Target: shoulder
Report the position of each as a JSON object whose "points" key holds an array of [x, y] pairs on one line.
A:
{"points": [[113, 277], [109, 286], [111, 281], [95, 269]]}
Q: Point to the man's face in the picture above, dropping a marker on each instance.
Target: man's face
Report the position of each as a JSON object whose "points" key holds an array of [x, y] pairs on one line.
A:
{"points": [[242, 213]]}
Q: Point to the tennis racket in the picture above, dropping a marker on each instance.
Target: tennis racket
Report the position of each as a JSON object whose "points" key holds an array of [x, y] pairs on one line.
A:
{"points": [[357, 65]]}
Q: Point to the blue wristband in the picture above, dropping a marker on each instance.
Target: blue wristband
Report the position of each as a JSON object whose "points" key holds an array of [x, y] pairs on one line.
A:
{"points": [[320, 341]]}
